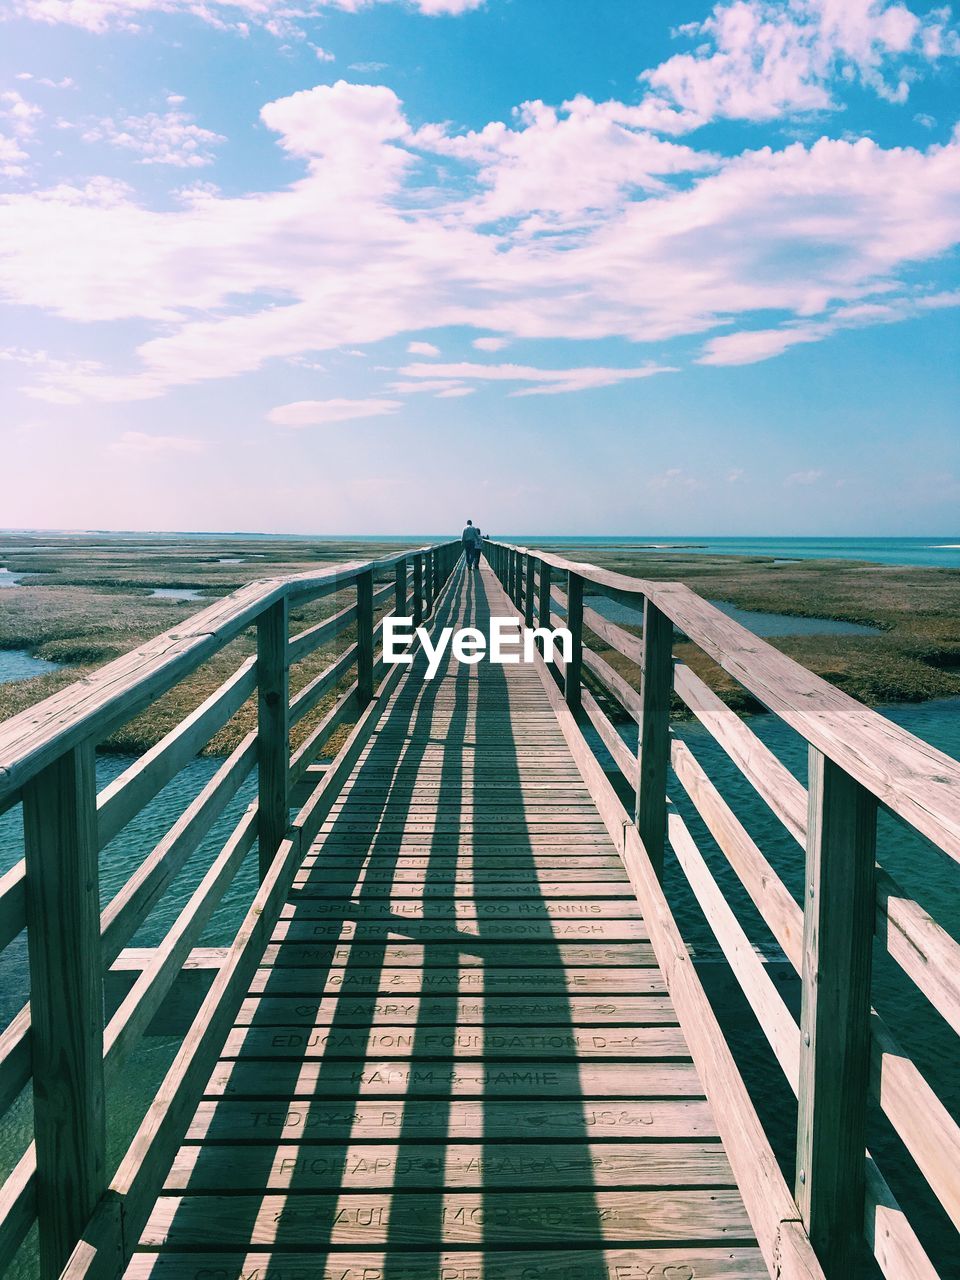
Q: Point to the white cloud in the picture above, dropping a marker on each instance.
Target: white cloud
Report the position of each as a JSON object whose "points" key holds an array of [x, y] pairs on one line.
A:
{"points": [[356, 250], [315, 413], [760, 59], [171, 138], [139, 443], [423, 349], [803, 477], [547, 381], [324, 55], [490, 344]]}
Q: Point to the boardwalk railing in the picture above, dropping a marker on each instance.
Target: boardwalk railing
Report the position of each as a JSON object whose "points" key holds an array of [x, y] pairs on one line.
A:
{"points": [[58, 1043], [842, 1058]]}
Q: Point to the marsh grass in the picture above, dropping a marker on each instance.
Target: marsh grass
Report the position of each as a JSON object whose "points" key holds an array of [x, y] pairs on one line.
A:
{"points": [[916, 656], [91, 604]]}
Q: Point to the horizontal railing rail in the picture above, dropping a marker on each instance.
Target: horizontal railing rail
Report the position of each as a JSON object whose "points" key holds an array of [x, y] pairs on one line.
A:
{"points": [[59, 1042], [841, 1057]]}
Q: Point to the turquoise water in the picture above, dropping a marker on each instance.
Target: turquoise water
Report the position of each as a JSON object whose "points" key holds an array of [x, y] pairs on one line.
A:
{"points": [[17, 664], [941, 551]]}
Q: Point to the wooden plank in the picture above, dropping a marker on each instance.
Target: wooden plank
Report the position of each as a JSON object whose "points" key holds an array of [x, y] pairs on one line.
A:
{"points": [[309, 1079], [465, 954], [481, 909], [273, 730], [618, 749], [66, 996], [492, 1011], [542, 1042], [13, 903], [313, 884], [834, 1020], [467, 933], [771, 779], [431, 1166], [671, 1262], [344, 709], [307, 698], [656, 683], [130, 905], [311, 982], [457, 1218], [127, 794], [307, 642]]}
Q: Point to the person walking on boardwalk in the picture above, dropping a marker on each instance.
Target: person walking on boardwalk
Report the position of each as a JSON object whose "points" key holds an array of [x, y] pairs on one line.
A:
{"points": [[471, 544]]}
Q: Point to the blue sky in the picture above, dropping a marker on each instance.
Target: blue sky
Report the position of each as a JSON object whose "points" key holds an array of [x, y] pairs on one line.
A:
{"points": [[373, 265]]}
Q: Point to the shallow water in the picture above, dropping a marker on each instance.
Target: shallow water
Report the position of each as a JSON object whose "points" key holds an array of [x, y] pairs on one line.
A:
{"points": [[17, 664], [760, 623], [934, 551], [175, 593]]}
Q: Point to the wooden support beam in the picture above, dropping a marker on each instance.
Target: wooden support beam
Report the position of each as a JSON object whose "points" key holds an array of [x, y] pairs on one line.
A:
{"points": [[571, 679], [417, 589], [66, 1000], [656, 684], [365, 637], [839, 908], [428, 583], [401, 588], [544, 600], [273, 729], [528, 596]]}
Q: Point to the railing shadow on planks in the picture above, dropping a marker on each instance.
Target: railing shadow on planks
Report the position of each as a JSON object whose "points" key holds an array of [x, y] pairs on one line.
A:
{"points": [[842, 1057], [839, 1060], [58, 1044]]}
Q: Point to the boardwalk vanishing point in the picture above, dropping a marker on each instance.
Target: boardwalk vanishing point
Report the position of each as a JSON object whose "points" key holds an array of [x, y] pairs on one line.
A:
{"points": [[458, 1034]]}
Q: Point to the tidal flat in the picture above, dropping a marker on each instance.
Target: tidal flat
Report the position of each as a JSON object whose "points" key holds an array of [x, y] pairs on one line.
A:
{"points": [[84, 599]]}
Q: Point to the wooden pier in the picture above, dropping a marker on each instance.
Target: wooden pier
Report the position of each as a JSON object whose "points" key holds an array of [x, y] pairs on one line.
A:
{"points": [[458, 1034]]}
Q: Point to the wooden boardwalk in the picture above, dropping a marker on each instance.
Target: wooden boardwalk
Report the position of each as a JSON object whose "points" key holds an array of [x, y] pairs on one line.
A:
{"points": [[458, 1058]]}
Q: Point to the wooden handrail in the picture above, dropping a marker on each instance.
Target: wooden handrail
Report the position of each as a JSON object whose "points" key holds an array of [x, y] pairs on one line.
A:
{"points": [[842, 1053], [910, 777]]}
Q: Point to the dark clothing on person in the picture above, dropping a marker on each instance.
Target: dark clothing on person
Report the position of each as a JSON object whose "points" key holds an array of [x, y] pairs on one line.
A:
{"points": [[472, 540]]}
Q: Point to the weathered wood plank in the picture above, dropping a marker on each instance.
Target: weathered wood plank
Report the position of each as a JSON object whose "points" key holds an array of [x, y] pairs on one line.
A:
{"points": [[429, 1167], [494, 1012], [460, 1218], [273, 730], [543, 1042], [66, 998], [834, 1020]]}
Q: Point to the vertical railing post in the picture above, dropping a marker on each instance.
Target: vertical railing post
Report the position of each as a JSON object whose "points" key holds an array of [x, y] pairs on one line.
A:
{"points": [[571, 683], [418, 588], [66, 1000], [545, 606], [838, 922], [273, 731], [528, 597], [515, 577], [656, 685], [400, 592], [365, 637], [428, 581]]}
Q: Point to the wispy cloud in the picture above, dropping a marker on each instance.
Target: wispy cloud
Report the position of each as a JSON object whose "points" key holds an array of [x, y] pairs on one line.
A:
{"points": [[423, 349], [547, 381], [316, 413]]}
